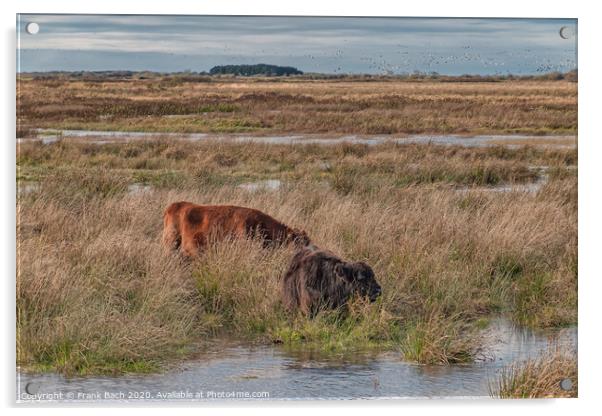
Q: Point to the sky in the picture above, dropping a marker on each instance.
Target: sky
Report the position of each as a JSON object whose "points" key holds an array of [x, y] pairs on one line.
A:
{"points": [[333, 45]]}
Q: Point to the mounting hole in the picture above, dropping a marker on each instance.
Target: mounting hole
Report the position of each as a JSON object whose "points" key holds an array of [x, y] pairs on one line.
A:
{"points": [[566, 32], [32, 388], [32, 28], [566, 384]]}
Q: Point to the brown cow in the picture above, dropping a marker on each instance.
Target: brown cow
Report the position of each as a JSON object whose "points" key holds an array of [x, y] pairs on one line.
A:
{"points": [[189, 227], [318, 279]]}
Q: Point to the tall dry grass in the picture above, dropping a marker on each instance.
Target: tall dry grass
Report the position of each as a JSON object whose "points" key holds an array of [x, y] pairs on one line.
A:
{"points": [[96, 294], [541, 377], [300, 106]]}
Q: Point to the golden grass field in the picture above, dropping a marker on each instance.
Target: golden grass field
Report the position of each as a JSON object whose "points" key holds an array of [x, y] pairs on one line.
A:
{"points": [[97, 294], [260, 106]]}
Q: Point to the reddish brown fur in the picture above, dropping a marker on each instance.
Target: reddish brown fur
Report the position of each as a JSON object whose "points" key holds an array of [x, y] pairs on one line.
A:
{"points": [[188, 226]]}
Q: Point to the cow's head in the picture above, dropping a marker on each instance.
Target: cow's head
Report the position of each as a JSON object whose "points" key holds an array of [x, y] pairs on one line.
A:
{"points": [[300, 238], [361, 278]]}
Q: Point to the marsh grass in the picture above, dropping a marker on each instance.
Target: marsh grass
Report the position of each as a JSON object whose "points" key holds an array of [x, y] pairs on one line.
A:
{"points": [[540, 377], [436, 339], [178, 164], [97, 294], [234, 105]]}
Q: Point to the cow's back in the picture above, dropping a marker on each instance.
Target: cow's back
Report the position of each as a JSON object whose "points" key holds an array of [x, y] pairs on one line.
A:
{"points": [[191, 226]]}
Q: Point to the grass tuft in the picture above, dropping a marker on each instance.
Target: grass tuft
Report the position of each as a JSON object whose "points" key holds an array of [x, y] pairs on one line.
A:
{"points": [[540, 377]]}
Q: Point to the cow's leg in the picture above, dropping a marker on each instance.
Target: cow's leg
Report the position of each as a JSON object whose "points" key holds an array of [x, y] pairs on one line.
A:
{"points": [[305, 308], [171, 237], [193, 245], [310, 302], [189, 247]]}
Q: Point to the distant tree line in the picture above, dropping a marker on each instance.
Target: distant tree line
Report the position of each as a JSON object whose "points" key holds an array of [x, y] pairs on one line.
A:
{"points": [[257, 69], [241, 70]]}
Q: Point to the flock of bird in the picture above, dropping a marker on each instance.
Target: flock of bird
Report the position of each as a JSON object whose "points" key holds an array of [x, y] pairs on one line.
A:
{"points": [[402, 60]]}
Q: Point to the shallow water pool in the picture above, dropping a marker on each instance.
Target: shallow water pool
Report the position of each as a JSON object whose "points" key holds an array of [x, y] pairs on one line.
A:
{"points": [[238, 372]]}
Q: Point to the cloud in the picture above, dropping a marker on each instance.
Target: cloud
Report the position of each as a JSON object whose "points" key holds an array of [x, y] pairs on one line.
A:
{"points": [[345, 43]]}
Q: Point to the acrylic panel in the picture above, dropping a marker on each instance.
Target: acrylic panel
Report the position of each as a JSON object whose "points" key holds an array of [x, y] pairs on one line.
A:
{"points": [[227, 208]]}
